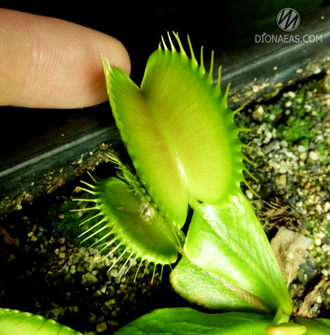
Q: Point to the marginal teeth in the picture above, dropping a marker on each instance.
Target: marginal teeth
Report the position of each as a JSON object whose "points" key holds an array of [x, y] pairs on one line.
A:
{"points": [[126, 218]]}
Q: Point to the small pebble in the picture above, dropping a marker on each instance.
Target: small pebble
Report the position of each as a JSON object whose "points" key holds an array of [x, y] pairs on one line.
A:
{"points": [[274, 145], [313, 155], [318, 241], [301, 148], [61, 241], [318, 300]]}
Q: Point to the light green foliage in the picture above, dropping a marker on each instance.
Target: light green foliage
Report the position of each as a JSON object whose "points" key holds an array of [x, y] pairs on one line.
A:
{"points": [[288, 328], [180, 321], [209, 290], [13, 322], [128, 218], [178, 131], [315, 327], [144, 226], [229, 242], [281, 326]]}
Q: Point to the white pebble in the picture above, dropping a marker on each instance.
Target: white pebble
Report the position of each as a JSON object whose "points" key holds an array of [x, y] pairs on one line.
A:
{"points": [[325, 273], [249, 194], [284, 144], [318, 300], [282, 180], [291, 94], [113, 273], [284, 167], [326, 248], [301, 148], [258, 112], [308, 108], [318, 241], [326, 206], [269, 134], [313, 155]]}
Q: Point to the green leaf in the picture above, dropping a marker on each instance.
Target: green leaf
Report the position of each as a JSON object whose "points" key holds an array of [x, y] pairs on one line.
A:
{"points": [[181, 321], [129, 218], [178, 131], [230, 242], [206, 289], [13, 322], [281, 326], [315, 326], [287, 328]]}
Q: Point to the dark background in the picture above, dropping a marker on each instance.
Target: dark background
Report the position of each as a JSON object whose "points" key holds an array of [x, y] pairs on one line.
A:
{"points": [[139, 24]]}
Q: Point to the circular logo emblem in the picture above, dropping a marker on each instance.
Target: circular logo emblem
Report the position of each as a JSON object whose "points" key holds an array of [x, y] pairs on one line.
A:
{"points": [[288, 19]]}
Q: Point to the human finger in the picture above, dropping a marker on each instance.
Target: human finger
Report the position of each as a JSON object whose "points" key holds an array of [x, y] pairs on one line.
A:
{"points": [[51, 63]]}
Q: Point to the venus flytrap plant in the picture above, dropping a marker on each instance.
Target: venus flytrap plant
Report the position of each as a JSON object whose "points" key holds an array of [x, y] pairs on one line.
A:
{"points": [[184, 146], [165, 125]]}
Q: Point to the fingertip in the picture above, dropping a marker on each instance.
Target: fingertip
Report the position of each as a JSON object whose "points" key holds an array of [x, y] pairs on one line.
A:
{"points": [[51, 63], [120, 58]]}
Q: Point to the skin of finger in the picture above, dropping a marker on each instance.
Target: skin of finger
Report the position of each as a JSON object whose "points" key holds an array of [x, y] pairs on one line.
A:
{"points": [[51, 63]]}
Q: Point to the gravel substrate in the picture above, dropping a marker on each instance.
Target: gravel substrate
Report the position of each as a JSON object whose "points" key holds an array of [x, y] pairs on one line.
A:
{"points": [[45, 270], [291, 141]]}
